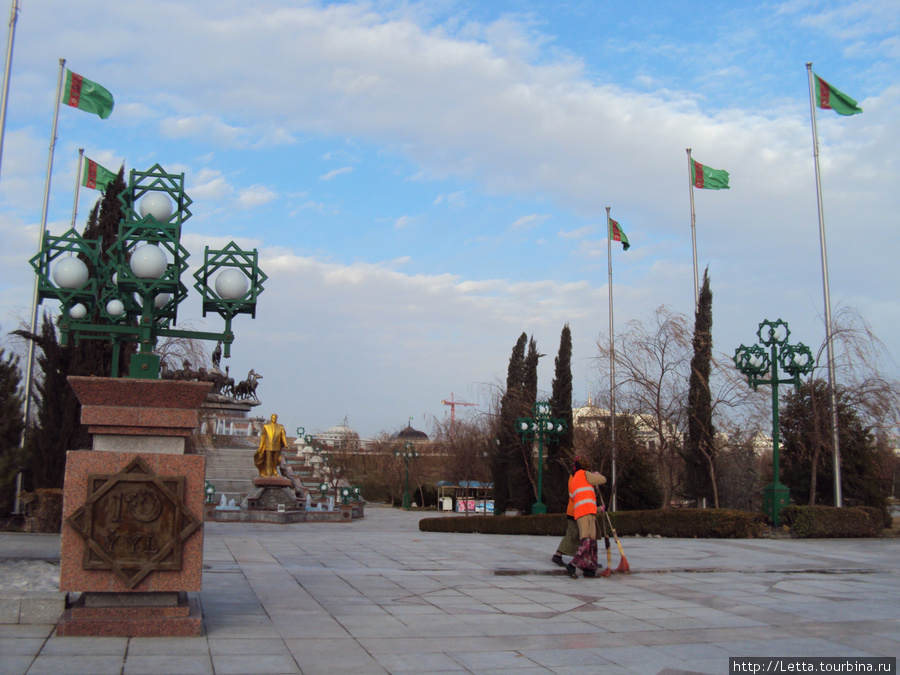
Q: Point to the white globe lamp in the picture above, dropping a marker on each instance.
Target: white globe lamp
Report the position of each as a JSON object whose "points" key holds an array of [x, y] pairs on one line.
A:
{"points": [[115, 308], [161, 300], [70, 273], [232, 284], [148, 262], [156, 204], [78, 311]]}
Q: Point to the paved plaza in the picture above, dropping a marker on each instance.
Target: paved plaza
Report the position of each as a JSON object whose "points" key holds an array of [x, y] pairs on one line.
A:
{"points": [[379, 596]]}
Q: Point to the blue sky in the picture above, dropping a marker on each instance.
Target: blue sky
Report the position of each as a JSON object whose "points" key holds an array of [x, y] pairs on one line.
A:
{"points": [[425, 181]]}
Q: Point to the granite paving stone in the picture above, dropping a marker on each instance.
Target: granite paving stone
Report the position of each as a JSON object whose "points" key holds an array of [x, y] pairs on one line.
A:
{"points": [[379, 596], [170, 664]]}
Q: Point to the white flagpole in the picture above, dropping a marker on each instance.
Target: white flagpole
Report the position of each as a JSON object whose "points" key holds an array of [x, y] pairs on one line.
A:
{"points": [[612, 366], [829, 333], [77, 185], [29, 366], [9, 53], [693, 233]]}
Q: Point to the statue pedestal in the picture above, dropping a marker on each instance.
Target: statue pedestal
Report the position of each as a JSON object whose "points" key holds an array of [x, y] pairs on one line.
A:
{"points": [[272, 493], [132, 535]]}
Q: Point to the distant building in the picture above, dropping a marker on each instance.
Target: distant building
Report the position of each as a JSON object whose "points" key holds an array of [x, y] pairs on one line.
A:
{"points": [[410, 434], [594, 418], [338, 437]]}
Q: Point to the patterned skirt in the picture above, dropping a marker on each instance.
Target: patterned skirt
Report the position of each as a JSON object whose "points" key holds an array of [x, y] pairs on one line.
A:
{"points": [[586, 556]]}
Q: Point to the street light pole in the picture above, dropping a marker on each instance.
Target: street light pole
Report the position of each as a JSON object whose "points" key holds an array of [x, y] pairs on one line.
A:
{"points": [[537, 428], [407, 454], [756, 363]]}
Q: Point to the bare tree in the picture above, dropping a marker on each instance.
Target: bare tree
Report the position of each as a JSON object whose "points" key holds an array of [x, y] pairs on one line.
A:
{"points": [[860, 362], [653, 366], [463, 456], [177, 352]]}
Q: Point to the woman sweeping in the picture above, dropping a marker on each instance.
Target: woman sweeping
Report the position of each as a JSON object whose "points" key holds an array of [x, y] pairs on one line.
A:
{"points": [[584, 499]]}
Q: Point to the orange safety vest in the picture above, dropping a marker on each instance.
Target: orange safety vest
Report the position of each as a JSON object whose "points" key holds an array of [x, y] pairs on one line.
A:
{"points": [[582, 495]]}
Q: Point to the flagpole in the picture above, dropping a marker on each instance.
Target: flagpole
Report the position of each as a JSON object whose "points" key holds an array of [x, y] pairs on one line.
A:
{"points": [[829, 333], [77, 184], [14, 17], [29, 366], [612, 366], [693, 234]]}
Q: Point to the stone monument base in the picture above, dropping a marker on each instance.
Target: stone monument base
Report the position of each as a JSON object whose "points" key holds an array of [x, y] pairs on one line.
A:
{"points": [[132, 615], [271, 493], [272, 481]]}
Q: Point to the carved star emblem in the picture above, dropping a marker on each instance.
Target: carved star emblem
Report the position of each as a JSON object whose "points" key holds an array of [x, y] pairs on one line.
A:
{"points": [[133, 522]]}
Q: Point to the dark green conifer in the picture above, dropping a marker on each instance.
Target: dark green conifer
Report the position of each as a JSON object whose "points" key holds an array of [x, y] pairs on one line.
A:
{"points": [[699, 452], [556, 474]]}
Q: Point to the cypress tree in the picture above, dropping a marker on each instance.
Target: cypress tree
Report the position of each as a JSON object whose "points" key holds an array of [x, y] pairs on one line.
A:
{"points": [[507, 442], [556, 475], [523, 476], [94, 357], [699, 452], [12, 423], [57, 427]]}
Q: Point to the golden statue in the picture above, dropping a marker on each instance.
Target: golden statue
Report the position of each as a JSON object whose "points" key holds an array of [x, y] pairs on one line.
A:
{"points": [[272, 440]]}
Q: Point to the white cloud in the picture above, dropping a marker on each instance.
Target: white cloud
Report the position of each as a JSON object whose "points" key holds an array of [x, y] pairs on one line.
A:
{"points": [[579, 233], [208, 184], [255, 195], [454, 200], [336, 172], [529, 221]]}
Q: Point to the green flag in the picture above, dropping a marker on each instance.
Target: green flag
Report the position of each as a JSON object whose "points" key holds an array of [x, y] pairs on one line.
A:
{"points": [[829, 98], [89, 96], [707, 178], [616, 233], [96, 177]]}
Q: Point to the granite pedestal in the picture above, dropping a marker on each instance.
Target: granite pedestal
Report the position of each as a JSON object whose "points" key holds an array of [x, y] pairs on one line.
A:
{"points": [[132, 537]]}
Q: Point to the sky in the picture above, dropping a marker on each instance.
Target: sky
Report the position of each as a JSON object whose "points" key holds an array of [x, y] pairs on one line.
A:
{"points": [[424, 181]]}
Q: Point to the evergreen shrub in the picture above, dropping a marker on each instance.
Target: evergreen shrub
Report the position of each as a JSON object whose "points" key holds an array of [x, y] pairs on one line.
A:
{"points": [[810, 522], [701, 523], [43, 510]]}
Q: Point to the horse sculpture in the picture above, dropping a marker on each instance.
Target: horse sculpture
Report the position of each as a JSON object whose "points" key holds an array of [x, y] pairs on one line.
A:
{"points": [[246, 389]]}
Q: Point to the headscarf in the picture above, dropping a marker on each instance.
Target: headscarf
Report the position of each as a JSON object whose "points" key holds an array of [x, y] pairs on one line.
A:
{"points": [[580, 463]]}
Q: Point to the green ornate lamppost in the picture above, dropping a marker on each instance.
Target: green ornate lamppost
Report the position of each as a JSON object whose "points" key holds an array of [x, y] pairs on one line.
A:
{"points": [[761, 367], [407, 454], [129, 291], [539, 428]]}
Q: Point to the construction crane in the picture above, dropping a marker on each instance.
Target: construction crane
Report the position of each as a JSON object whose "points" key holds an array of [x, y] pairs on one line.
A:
{"points": [[453, 403]]}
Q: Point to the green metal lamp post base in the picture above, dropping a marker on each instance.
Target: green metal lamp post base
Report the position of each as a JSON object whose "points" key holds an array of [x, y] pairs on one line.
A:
{"points": [[144, 365], [538, 508], [775, 497], [406, 501]]}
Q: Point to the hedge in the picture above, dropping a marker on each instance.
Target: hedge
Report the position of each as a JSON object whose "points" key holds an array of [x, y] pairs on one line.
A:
{"points": [[803, 521], [809, 522], [43, 510], [702, 523]]}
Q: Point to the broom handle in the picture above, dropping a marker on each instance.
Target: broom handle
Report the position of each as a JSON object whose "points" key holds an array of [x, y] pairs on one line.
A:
{"points": [[612, 527], [606, 541]]}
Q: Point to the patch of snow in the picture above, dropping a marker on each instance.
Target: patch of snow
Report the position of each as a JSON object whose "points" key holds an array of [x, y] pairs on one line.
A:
{"points": [[29, 575]]}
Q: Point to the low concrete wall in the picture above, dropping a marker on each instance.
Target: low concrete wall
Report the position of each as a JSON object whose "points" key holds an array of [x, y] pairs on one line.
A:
{"points": [[31, 606]]}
